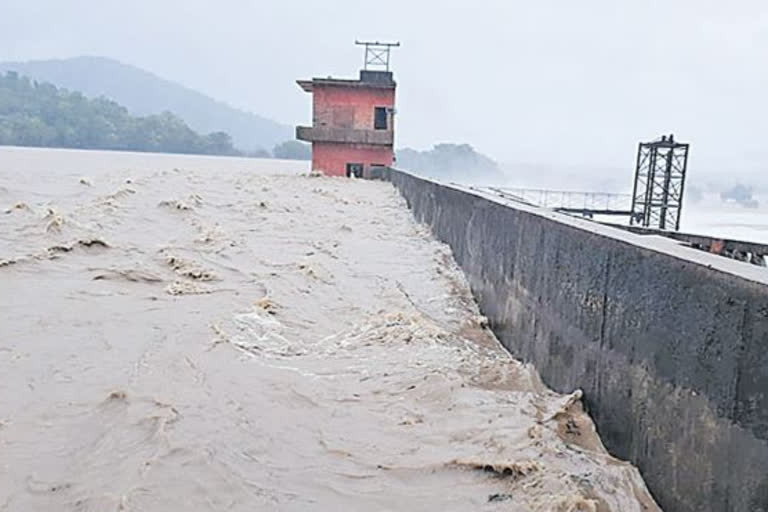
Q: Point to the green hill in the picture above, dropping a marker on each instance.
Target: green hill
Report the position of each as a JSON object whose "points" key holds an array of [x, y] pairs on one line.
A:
{"points": [[144, 94], [40, 114]]}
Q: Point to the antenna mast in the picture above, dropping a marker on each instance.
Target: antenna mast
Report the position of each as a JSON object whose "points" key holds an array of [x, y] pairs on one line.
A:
{"points": [[377, 54]]}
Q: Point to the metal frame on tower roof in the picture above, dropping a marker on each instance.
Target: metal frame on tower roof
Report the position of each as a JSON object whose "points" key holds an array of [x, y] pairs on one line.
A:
{"points": [[377, 54]]}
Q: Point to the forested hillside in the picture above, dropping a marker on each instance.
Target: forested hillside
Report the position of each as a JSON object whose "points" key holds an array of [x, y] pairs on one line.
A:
{"points": [[146, 94], [40, 114]]}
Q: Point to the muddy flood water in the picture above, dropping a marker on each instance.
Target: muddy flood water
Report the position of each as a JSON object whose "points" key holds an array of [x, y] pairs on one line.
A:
{"points": [[212, 334]]}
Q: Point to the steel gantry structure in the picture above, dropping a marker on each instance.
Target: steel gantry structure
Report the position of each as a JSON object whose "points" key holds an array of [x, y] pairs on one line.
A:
{"points": [[657, 199]]}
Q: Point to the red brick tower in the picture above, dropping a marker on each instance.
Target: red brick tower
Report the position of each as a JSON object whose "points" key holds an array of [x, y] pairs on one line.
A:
{"points": [[353, 120]]}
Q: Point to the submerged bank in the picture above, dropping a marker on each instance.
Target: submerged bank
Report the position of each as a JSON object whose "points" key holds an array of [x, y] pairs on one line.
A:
{"points": [[217, 337]]}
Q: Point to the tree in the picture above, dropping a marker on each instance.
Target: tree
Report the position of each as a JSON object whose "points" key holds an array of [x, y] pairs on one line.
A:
{"points": [[456, 162], [39, 114], [292, 150], [741, 195], [257, 153], [219, 143]]}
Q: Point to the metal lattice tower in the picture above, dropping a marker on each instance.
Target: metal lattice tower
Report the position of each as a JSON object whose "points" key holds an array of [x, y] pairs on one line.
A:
{"points": [[657, 200], [377, 54]]}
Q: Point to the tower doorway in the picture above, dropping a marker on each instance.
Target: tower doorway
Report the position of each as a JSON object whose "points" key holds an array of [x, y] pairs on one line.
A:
{"points": [[354, 170]]}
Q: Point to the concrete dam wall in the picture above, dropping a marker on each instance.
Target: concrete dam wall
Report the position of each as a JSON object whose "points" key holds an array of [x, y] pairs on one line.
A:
{"points": [[669, 344]]}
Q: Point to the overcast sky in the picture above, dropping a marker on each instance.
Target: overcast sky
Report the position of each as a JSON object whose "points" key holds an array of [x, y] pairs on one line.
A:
{"points": [[556, 82]]}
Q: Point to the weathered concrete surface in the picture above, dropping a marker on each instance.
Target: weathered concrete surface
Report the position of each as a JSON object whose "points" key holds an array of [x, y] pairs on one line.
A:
{"points": [[669, 344]]}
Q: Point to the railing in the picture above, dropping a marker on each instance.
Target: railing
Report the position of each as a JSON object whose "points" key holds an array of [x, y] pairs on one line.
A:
{"points": [[589, 204], [569, 200]]}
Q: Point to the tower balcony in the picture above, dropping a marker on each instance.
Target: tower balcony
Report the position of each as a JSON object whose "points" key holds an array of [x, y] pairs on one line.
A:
{"points": [[344, 135]]}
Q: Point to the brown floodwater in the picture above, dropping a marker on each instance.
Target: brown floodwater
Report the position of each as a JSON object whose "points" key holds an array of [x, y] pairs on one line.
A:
{"points": [[210, 334]]}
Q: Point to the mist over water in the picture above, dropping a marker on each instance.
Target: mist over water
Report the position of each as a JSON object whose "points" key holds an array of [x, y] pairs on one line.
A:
{"points": [[191, 333]]}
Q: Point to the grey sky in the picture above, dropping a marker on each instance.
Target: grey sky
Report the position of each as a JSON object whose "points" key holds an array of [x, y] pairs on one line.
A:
{"points": [[558, 82]]}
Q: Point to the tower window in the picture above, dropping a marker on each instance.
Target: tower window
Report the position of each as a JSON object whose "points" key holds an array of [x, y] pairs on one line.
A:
{"points": [[380, 118]]}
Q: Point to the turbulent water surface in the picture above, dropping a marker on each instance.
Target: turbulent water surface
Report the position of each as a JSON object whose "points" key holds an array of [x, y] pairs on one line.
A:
{"points": [[187, 333]]}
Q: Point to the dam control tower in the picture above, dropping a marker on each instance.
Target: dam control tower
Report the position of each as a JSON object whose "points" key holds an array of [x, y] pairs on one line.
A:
{"points": [[353, 120]]}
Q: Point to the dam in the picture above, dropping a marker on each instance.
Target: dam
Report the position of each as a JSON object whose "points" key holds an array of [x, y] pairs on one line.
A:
{"points": [[662, 332], [238, 334], [668, 342]]}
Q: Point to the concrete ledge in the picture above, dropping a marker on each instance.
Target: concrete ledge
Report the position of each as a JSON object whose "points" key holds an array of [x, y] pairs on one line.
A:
{"points": [[344, 135], [669, 344]]}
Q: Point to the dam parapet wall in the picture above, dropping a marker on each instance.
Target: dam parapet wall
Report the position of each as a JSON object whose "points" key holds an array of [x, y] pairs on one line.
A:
{"points": [[668, 343]]}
